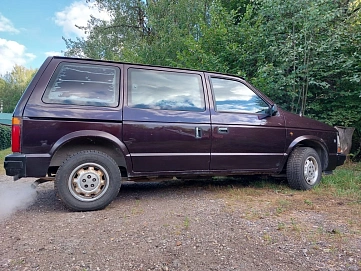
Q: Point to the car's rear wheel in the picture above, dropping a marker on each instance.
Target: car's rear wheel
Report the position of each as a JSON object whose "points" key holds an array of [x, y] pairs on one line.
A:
{"points": [[88, 180], [304, 169]]}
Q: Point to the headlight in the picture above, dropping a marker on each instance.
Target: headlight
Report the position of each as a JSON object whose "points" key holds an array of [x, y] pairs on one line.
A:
{"points": [[338, 144]]}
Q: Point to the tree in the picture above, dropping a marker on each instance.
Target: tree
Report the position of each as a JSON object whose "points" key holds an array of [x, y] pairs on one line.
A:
{"points": [[106, 39], [311, 59], [153, 31], [12, 86]]}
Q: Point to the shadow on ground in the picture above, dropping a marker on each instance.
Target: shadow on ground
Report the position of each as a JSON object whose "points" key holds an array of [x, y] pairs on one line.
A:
{"points": [[47, 200]]}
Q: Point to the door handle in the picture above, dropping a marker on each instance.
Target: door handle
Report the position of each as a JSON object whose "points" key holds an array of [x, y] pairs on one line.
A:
{"points": [[198, 132], [222, 130]]}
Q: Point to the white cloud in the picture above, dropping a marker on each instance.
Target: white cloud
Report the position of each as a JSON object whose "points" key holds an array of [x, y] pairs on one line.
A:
{"points": [[13, 53], [53, 53], [6, 25], [78, 13]]}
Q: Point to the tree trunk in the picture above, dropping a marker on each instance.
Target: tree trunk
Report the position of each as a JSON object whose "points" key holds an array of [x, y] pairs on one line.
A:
{"points": [[345, 138]]}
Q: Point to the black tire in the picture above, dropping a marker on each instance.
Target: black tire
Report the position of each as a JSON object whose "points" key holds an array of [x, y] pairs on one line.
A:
{"points": [[304, 169], [88, 180]]}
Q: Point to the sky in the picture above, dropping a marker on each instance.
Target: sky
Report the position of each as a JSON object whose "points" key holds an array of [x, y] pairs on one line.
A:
{"points": [[31, 30]]}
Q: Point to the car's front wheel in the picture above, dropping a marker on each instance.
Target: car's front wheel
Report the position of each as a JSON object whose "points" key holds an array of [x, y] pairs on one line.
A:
{"points": [[88, 180], [304, 169]]}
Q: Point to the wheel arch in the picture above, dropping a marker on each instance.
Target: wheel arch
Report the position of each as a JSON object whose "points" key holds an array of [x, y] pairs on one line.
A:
{"points": [[90, 140], [313, 142]]}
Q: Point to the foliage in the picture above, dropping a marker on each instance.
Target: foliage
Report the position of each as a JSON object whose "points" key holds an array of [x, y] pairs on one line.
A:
{"points": [[5, 137], [12, 86], [214, 47], [312, 58], [3, 153], [308, 56]]}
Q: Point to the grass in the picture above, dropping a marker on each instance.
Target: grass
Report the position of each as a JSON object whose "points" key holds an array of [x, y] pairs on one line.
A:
{"points": [[3, 153], [186, 223], [344, 187], [345, 182], [338, 194]]}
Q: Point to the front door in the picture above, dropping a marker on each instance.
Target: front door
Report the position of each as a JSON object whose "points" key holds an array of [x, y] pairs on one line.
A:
{"points": [[242, 139], [166, 124]]}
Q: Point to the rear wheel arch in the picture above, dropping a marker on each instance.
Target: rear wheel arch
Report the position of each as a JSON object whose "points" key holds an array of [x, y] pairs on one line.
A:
{"points": [[89, 142]]}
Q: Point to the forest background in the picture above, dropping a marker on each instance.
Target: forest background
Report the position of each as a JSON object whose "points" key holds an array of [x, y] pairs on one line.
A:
{"points": [[304, 54]]}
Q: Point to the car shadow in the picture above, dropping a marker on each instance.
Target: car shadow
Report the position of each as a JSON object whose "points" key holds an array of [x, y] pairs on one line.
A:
{"points": [[131, 190], [48, 201]]}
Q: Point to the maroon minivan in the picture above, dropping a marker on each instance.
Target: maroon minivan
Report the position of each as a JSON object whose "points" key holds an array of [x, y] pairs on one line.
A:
{"points": [[88, 123]]}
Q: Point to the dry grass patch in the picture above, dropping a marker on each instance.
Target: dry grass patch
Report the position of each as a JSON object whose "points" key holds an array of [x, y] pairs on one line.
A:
{"points": [[330, 214]]}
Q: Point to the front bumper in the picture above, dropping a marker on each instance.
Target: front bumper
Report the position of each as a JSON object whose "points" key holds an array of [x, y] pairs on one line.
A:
{"points": [[335, 160], [341, 158]]}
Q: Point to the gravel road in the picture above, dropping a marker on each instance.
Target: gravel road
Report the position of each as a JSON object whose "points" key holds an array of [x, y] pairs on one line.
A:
{"points": [[169, 226]]}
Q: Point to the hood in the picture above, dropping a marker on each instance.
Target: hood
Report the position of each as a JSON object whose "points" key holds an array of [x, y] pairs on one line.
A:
{"points": [[296, 121]]}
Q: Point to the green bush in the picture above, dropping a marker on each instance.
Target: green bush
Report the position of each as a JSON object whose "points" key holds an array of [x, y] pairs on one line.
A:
{"points": [[5, 137]]}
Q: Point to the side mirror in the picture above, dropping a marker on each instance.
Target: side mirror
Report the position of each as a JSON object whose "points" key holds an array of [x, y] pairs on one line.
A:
{"points": [[273, 110]]}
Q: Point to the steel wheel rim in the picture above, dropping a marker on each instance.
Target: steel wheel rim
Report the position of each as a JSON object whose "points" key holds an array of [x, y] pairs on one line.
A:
{"points": [[311, 170], [88, 182]]}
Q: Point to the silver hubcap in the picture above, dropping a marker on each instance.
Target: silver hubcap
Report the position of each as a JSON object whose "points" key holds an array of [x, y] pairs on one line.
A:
{"points": [[88, 182], [311, 170]]}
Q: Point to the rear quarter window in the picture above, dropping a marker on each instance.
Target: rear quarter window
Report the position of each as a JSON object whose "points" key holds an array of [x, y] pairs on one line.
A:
{"points": [[83, 84]]}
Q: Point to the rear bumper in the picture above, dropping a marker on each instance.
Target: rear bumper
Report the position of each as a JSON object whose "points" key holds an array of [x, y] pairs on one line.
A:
{"points": [[15, 165], [22, 165]]}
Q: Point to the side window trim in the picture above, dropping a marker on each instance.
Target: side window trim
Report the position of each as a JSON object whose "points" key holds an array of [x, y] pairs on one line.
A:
{"points": [[214, 96]]}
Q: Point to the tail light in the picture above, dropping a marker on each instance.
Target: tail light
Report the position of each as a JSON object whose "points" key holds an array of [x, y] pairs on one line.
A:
{"points": [[15, 134]]}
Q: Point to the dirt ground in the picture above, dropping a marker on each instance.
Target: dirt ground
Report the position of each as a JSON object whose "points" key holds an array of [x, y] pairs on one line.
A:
{"points": [[182, 225]]}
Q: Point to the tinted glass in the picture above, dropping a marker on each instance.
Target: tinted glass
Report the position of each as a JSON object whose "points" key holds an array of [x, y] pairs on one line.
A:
{"points": [[75, 84], [233, 96], [165, 90]]}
